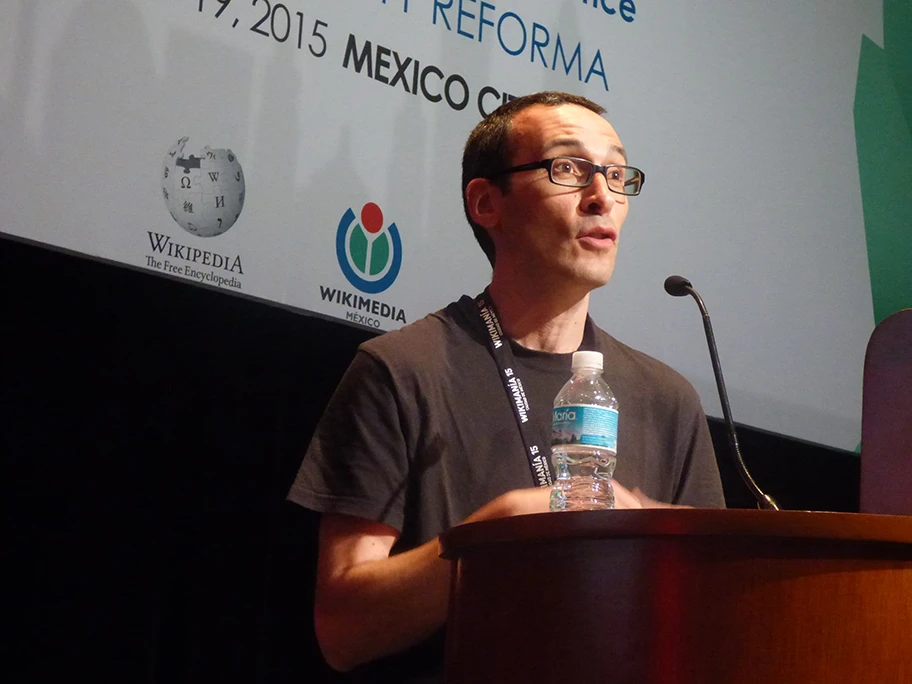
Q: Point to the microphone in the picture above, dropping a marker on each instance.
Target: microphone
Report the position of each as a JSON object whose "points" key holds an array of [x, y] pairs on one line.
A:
{"points": [[679, 286]]}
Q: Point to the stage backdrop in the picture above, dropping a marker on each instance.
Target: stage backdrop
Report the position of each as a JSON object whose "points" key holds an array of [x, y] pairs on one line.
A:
{"points": [[307, 153]]}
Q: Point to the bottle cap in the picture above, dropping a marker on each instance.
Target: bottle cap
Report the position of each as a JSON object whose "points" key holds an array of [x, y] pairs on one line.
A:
{"points": [[586, 359]]}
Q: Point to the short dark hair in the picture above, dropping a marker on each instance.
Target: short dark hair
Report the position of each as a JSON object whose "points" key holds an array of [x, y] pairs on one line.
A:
{"points": [[487, 150]]}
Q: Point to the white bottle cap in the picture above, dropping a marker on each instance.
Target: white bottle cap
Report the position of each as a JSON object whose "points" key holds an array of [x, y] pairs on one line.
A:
{"points": [[586, 359]]}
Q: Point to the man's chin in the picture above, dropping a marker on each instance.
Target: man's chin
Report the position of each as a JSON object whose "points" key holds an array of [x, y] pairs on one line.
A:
{"points": [[597, 275], [587, 280]]}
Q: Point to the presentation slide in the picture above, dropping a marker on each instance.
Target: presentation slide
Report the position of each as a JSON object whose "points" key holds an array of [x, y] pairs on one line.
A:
{"points": [[307, 153]]}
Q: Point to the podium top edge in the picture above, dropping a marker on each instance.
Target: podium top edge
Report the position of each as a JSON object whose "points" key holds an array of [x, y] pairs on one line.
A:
{"points": [[604, 525]]}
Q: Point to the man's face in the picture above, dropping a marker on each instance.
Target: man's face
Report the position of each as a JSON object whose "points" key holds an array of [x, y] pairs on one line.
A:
{"points": [[560, 235]]}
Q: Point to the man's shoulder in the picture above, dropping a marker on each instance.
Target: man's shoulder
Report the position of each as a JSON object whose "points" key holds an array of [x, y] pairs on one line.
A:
{"points": [[647, 369], [418, 343]]}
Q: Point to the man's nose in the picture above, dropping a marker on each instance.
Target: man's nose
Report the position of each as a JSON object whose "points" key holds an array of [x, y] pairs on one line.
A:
{"points": [[597, 198]]}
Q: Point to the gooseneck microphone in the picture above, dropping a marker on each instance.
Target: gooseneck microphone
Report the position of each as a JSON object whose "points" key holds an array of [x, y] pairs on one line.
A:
{"points": [[679, 286]]}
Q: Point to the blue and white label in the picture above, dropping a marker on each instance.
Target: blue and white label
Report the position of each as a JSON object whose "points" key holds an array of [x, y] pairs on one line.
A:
{"points": [[584, 424]]}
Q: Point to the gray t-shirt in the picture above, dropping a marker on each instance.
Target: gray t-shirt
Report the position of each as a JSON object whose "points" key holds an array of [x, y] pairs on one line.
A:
{"points": [[420, 432]]}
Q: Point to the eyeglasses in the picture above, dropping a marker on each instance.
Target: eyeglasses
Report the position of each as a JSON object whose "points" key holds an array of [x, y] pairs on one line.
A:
{"points": [[574, 172]]}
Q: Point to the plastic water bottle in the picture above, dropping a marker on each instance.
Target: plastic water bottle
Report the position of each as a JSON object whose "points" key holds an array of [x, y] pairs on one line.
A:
{"points": [[584, 438]]}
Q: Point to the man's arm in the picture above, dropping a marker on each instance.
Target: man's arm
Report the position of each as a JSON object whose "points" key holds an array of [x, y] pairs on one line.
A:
{"points": [[370, 604]]}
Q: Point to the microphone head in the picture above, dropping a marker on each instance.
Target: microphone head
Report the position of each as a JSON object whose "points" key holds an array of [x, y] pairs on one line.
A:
{"points": [[677, 286]]}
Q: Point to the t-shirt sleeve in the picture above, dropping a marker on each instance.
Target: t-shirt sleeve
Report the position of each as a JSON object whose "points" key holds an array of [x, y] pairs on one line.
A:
{"points": [[699, 484], [357, 462]]}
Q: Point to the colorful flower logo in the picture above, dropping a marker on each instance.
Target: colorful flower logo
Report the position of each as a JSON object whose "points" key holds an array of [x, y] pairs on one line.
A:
{"points": [[369, 253]]}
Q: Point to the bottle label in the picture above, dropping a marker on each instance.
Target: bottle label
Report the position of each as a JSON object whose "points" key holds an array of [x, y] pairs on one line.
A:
{"points": [[584, 424]]}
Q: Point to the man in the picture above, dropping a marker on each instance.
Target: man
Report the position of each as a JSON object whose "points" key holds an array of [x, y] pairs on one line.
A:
{"points": [[421, 434]]}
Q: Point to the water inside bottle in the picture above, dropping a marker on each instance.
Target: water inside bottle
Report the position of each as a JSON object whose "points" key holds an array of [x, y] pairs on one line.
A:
{"points": [[583, 480]]}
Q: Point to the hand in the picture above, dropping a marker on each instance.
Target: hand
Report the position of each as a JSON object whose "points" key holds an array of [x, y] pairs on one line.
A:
{"points": [[626, 499], [516, 502], [537, 500]]}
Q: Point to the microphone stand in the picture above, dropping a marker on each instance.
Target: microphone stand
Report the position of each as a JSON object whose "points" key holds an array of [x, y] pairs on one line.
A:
{"points": [[678, 286]]}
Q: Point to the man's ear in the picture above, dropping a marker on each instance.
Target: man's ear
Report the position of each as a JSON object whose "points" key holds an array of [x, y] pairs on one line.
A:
{"points": [[485, 202]]}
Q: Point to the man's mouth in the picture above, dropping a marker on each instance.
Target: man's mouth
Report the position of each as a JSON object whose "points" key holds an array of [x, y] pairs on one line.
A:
{"points": [[602, 235]]}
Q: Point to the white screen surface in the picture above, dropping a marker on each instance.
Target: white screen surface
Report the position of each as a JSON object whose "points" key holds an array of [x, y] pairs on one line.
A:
{"points": [[740, 114]]}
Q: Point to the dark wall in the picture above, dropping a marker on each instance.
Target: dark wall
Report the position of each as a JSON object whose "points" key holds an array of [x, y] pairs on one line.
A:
{"points": [[150, 430]]}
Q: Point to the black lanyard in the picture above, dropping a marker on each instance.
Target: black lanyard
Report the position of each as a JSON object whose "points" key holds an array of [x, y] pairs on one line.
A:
{"points": [[500, 349]]}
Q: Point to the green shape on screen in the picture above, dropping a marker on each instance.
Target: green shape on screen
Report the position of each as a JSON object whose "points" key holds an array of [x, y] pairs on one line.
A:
{"points": [[883, 134], [380, 253], [357, 247]]}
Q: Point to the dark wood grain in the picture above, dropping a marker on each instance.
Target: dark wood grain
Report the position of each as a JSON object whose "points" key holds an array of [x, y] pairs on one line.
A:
{"points": [[683, 597]]}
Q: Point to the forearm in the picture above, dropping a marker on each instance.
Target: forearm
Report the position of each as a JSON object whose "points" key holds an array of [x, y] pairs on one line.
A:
{"points": [[370, 604], [380, 607]]}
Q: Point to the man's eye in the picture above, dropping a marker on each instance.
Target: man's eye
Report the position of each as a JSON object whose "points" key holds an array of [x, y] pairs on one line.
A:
{"points": [[615, 174]]}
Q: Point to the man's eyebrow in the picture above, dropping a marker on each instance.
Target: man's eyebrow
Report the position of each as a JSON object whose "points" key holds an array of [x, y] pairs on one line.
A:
{"points": [[621, 151], [575, 142]]}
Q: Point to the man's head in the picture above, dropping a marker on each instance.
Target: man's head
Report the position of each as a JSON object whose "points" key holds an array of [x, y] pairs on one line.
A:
{"points": [[488, 149], [536, 219]]}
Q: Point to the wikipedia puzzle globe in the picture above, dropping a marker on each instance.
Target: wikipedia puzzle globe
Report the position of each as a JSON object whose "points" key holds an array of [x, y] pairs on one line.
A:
{"points": [[205, 193]]}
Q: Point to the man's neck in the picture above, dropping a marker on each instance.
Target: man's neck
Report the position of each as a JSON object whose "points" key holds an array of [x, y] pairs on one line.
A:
{"points": [[541, 320]]}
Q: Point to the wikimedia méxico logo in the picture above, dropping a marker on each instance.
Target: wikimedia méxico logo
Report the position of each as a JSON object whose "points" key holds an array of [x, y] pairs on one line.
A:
{"points": [[370, 256]]}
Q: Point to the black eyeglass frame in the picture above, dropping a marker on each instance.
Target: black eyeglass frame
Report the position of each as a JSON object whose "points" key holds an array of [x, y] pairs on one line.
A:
{"points": [[596, 168]]}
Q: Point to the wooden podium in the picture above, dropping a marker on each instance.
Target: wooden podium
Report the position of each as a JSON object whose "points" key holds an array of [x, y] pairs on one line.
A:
{"points": [[676, 596]]}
